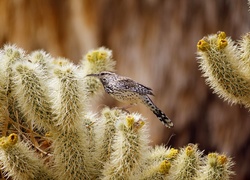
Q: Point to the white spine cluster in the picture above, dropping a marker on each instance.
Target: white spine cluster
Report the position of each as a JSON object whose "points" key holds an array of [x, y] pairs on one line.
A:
{"points": [[45, 101]]}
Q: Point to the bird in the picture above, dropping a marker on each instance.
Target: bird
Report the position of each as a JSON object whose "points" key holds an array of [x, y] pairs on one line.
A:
{"points": [[124, 89]]}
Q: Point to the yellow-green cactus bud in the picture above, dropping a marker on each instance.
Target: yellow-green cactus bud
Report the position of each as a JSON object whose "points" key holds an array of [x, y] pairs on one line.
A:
{"points": [[212, 158], [157, 161], [221, 35], [172, 153], [202, 45], [164, 167], [98, 55], [157, 170], [222, 159], [159, 154], [98, 60], [130, 121], [222, 43], [6, 142], [138, 125], [189, 150]]}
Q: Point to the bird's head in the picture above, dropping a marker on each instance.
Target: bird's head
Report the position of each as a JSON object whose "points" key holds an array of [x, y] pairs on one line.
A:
{"points": [[104, 76]]}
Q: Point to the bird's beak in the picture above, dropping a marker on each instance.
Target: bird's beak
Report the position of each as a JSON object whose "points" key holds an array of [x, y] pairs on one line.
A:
{"points": [[92, 75]]}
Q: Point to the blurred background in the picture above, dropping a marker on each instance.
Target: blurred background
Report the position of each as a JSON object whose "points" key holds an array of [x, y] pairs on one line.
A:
{"points": [[154, 43]]}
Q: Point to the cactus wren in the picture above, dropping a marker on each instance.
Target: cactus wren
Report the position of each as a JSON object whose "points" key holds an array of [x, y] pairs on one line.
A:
{"points": [[125, 89]]}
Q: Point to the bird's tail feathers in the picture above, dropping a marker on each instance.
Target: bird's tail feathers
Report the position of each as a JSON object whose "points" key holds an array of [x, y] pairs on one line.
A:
{"points": [[160, 115]]}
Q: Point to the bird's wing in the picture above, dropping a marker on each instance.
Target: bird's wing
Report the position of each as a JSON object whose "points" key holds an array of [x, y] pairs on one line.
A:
{"points": [[130, 85]]}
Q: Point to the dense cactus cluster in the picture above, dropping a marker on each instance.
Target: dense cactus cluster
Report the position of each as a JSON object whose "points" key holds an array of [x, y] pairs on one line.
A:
{"points": [[48, 131]]}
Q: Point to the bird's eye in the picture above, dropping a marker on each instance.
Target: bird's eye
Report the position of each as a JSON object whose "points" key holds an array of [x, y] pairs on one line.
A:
{"points": [[102, 74], [104, 80]]}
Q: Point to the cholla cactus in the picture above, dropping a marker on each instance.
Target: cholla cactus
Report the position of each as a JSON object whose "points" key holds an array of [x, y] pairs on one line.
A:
{"points": [[216, 167], [19, 162], [187, 163], [50, 133], [226, 66]]}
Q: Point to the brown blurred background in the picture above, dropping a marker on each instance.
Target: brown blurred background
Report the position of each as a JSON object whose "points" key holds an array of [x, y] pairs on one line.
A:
{"points": [[153, 42]]}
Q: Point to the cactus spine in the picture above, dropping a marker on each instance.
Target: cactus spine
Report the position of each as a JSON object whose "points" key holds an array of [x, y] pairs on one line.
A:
{"points": [[46, 100]]}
